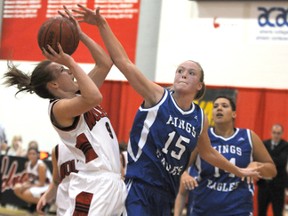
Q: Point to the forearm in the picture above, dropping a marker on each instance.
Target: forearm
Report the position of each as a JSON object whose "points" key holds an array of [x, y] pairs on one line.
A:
{"points": [[51, 192], [98, 54], [179, 204], [87, 87], [114, 47], [103, 62]]}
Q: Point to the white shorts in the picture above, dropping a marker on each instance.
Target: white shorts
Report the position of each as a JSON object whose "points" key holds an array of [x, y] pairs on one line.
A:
{"points": [[63, 202], [103, 193], [38, 191]]}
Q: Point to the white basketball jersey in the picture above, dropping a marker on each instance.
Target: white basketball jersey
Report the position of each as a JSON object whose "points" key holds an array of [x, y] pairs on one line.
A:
{"points": [[34, 174], [92, 141]]}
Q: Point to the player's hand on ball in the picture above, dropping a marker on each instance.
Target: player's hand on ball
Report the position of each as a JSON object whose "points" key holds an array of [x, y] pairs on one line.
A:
{"points": [[60, 58]]}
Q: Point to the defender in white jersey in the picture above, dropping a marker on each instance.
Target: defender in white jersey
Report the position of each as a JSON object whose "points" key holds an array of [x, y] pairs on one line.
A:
{"points": [[157, 157], [217, 192], [81, 123]]}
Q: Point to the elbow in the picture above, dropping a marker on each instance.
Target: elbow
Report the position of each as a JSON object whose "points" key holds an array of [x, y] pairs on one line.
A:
{"points": [[269, 172], [92, 99], [273, 171], [96, 100], [99, 99]]}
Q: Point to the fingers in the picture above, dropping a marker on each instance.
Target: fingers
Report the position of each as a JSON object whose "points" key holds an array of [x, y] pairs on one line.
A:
{"points": [[190, 183], [250, 172], [83, 8], [60, 48], [45, 53], [50, 53], [40, 205], [67, 11], [62, 14], [98, 11], [79, 11], [79, 18], [249, 180]]}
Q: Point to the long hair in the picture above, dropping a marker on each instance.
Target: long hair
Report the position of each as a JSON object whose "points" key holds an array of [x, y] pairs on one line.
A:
{"points": [[36, 82]]}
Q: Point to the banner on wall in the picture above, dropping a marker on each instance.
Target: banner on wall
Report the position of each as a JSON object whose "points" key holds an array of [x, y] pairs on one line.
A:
{"points": [[22, 20], [271, 26]]}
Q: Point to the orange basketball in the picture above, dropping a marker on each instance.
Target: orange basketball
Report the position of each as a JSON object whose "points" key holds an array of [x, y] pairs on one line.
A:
{"points": [[59, 29]]}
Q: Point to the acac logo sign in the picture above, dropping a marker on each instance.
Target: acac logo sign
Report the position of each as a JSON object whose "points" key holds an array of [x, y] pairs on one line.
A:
{"points": [[273, 17]]}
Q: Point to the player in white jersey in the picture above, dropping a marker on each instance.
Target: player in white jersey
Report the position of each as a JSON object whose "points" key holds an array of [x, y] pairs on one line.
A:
{"points": [[81, 123], [217, 192], [63, 162], [37, 180], [63, 165], [157, 157]]}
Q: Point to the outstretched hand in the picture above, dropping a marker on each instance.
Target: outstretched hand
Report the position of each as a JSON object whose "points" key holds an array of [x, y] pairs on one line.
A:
{"points": [[87, 15]]}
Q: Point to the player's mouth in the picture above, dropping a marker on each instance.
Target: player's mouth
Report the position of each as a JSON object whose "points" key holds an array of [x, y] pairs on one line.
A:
{"points": [[182, 82], [219, 115]]}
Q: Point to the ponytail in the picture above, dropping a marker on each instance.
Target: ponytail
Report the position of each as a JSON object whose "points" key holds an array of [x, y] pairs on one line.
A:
{"points": [[34, 83]]}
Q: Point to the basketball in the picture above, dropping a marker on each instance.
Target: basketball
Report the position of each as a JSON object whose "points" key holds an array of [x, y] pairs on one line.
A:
{"points": [[58, 29]]}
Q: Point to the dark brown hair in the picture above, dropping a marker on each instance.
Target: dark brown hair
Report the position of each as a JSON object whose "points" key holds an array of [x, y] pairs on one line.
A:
{"points": [[231, 101], [36, 82]]}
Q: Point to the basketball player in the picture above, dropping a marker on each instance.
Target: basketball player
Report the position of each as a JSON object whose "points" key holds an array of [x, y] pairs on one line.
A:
{"points": [[37, 179], [63, 163], [82, 125], [166, 129], [218, 192]]}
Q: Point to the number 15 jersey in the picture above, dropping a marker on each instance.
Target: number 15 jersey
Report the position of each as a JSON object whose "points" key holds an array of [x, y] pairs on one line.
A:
{"points": [[161, 141]]}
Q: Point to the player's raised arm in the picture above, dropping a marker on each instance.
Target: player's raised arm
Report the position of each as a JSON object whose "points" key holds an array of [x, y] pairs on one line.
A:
{"points": [[103, 62], [150, 91]]}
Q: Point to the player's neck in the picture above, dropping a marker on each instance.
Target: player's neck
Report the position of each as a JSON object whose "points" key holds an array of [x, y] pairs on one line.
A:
{"points": [[224, 130]]}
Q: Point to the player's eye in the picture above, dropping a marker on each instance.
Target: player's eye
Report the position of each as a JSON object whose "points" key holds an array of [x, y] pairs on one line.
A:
{"points": [[192, 72]]}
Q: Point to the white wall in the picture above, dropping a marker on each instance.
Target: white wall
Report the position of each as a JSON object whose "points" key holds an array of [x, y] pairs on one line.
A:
{"points": [[231, 55]]}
